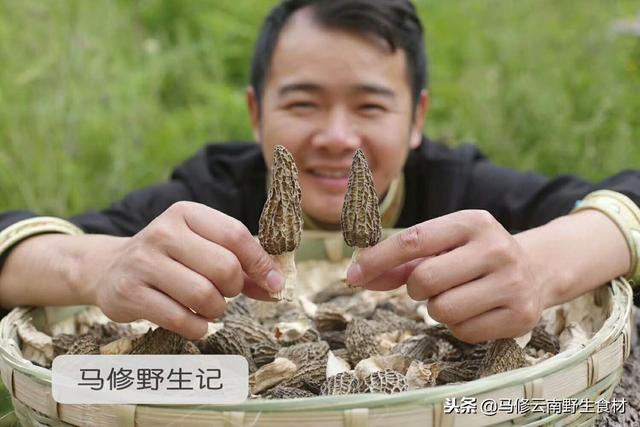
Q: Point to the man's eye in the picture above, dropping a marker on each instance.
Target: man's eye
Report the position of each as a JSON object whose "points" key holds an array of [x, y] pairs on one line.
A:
{"points": [[301, 106], [372, 108]]}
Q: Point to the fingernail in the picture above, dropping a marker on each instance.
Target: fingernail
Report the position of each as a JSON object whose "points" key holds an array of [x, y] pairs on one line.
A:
{"points": [[354, 274], [275, 280]]}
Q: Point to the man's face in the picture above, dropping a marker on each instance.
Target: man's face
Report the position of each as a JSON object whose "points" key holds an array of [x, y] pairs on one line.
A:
{"points": [[328, 93]]}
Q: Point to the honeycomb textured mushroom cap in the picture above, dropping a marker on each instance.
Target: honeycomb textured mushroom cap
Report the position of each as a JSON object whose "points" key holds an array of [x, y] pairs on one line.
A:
{"points": [[249, 329], [315, 370], [543, 340], [264, 352], [226, 341], [360, 340], [386, 381], [503, 355], [280, 227], [305, 352], [360, 220], [455, 372], [84, 344], [62, 343], [159, 341], [281, 392], [341, 383]]}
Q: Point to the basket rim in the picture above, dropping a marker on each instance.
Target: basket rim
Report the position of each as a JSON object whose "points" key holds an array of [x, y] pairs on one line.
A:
{"points": [[619, 289]]}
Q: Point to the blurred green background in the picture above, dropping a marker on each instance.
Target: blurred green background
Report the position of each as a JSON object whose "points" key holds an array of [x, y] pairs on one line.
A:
{"points": [[100, 97]]}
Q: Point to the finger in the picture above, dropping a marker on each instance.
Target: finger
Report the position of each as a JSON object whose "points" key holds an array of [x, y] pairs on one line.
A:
{"points": [[394, 278], [233, 235], [498, 323], [211, 260], [252, 290], [466, 301], [440, 273], [422, 240], [187, 287], [165, 312]]}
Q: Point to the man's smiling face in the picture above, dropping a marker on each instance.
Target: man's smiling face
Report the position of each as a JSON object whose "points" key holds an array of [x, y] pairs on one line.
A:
{"points": [[328, 93]]}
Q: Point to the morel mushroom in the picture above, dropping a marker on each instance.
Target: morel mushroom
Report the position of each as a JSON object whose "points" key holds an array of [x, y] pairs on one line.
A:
{"points": [[360, 220], [280, 227]]}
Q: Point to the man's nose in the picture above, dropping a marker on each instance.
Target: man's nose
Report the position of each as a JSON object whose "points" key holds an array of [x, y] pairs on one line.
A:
{"points": [[338, 133]]}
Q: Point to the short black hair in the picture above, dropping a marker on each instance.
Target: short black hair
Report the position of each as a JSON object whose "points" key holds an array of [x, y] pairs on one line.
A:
{"points": [[395, 21]]}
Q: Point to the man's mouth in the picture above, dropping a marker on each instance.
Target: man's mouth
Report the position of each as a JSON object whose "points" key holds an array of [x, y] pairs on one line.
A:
{"points": [[334, 181], [325, 173]]}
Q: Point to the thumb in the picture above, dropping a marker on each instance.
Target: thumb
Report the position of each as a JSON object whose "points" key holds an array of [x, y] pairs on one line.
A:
{"points": [[393, 278]]}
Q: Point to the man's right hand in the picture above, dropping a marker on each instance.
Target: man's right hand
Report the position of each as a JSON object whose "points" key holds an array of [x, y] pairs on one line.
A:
{"points": [[177, 270]]}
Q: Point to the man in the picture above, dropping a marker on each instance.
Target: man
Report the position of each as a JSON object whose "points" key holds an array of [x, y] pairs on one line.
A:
{"points": [[329, 77]]}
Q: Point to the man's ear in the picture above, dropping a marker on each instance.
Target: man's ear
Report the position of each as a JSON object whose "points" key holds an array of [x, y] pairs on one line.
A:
{"points": [[254, 112], [419, 117]]}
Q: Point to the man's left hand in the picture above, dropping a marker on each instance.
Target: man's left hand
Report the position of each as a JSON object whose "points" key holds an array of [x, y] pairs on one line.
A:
{"points": [[474, 274]]}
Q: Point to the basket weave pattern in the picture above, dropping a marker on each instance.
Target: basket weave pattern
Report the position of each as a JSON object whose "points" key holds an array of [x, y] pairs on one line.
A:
{"points": [[591, 372]]}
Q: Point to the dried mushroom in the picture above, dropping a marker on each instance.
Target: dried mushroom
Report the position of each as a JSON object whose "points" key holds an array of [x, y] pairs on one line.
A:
{"points": [[331, 317], [84, 344], [226, 341], [281, 392], [159, 341], [387, 381], [503, 355], [190, 348], [238, 306], [264, 353], [304, 353], [334, 338], [122, 345], [272, 374], [281, 220], [421, 375], [252, 331], [314, 370], [105, 333], [360, 219], [359, 340], [296, 332], [543, 340], [62, 343], [454, 372], [342, 383]]}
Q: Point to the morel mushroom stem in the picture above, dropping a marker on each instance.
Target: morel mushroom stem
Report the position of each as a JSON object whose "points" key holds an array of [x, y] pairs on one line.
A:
{"points": [[280, 227], [360, 220], [287, 264]]}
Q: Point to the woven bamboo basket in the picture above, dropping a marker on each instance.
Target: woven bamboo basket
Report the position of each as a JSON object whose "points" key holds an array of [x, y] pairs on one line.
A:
{"points": [[591, 371]]}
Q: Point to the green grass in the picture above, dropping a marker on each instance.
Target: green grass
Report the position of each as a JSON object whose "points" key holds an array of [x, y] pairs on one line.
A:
{"points": [[98, 98]]}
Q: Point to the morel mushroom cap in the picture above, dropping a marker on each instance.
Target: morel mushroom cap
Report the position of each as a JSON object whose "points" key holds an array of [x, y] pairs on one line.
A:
{"points": [[541, 340], [360, 220], [360, 340], [62, 343], [281, 220], [341, 383], [503, 355], [387, 381], [315, 370], [84, 344], [159, 341], [281, 392]]}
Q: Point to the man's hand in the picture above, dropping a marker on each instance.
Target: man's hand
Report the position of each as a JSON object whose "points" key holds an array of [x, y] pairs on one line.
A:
{"points": [[475, 275], [177, 270]]}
